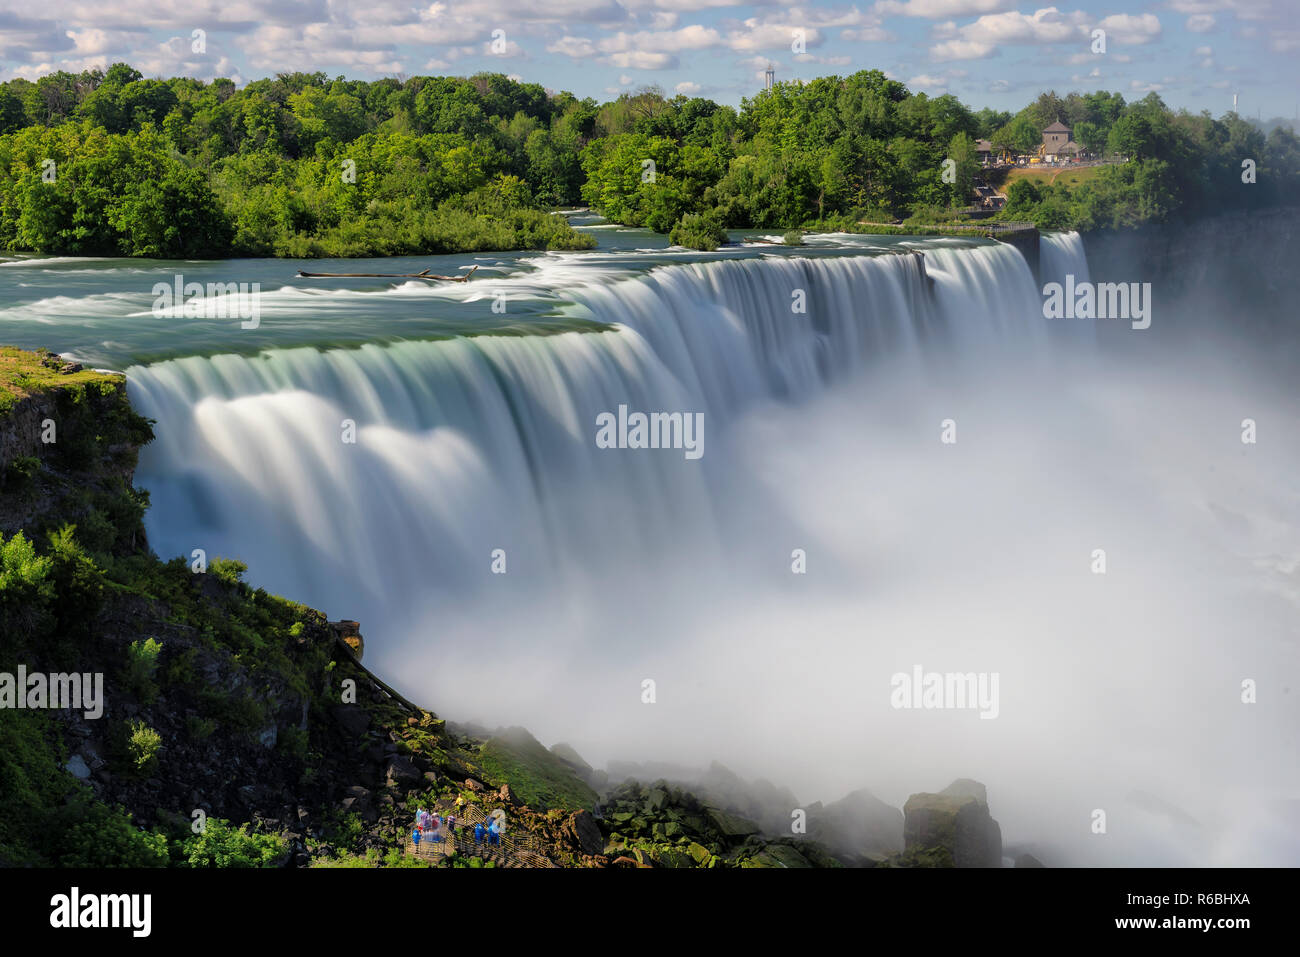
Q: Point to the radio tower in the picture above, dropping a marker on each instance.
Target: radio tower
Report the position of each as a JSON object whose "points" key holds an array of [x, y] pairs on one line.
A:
{"points": [[769, 78]]}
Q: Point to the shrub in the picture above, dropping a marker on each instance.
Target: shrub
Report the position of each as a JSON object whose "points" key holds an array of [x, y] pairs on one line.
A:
{"points": [[106, 837], [141, 666], [698, 231], [21, 474], [223, 845], [143, 745], [25, 588], [78, 582], [229, 570]]}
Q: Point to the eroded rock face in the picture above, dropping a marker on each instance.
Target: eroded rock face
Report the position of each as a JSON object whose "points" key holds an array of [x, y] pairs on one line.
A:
{"points": [[582, 831], [957, 820], [350, 632]]}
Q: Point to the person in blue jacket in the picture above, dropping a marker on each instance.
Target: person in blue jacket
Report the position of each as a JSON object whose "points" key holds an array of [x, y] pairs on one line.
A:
{"points": [[478, 833], [415, 836], [494, 832]]}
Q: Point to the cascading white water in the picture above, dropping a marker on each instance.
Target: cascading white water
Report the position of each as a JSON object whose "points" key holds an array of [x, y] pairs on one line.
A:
{"points": [[1061, 255], [469, 444], [822, 436]]}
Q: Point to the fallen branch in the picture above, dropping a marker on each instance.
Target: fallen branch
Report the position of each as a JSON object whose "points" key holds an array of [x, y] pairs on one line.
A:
{"points": [[423, 274]]}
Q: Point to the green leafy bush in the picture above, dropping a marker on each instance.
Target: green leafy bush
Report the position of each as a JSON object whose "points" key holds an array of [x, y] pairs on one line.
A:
{"points": [[223, 845], [698, 231], [143, 743], [141, 667], [26, 590]]}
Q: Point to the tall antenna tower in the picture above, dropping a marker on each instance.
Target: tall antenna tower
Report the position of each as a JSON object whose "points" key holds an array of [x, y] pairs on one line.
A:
{"points": [[769, 78]]}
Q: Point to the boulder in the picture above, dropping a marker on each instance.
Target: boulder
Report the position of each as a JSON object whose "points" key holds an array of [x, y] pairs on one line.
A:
{"points": [[699, 852], [78, 768], [957, 820], [581, 830], [731, 826], [402, 772], [350, 632]]}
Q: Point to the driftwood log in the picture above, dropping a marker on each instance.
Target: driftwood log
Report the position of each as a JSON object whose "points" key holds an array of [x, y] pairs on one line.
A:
{"points": [[423, 274]]}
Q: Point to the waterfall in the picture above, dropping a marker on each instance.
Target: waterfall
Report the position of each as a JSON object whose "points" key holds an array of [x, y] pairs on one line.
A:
{"points": [[824, 379], [1061, 254], [470, 444]]}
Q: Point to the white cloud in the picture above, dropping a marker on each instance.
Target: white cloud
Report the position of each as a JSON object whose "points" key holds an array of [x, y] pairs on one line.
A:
{"points": [[576, 47], [688, 87], [982, 38], [933, 9], [770, 36], [638, 60], [934, 84], [824, 60], [1200, 23], [868, 35], [1131, 30]]}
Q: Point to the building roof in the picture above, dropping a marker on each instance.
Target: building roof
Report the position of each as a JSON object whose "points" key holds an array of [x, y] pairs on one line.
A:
{"points": [[1057, 127], [983, 146], [1071, 147]]}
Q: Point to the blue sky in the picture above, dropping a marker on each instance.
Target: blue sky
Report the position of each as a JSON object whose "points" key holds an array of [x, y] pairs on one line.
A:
{"points": [[1000, 53]]}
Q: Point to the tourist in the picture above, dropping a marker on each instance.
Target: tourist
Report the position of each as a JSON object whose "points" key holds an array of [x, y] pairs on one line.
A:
{"points": [[494, 832], [451, 825], [435, 834], [478, 833], [415, 838]]}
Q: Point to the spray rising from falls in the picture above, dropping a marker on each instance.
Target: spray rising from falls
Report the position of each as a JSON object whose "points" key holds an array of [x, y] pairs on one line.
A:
{"points": [[823, 381]]}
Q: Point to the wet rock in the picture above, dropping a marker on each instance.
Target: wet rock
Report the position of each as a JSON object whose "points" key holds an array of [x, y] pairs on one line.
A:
{"points": [[78, 767]]}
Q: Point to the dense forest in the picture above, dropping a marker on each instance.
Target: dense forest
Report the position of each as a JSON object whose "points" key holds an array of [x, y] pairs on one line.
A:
{"points": [[112, 163]]}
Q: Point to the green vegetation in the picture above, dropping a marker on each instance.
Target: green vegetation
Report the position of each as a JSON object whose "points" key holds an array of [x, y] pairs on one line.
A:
{"points": [[1178, 165], [222, 845], [141, 667], [536, 775], [698, 231], [143, 745], [24, 374], [115, 164], [111, 163]]}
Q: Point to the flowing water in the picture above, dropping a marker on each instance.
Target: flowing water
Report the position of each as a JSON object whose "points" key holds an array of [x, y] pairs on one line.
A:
{"points": [[424, 459]]}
